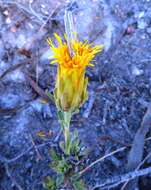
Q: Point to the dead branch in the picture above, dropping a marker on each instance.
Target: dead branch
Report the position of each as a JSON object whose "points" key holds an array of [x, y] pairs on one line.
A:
{"points": [[101, 159], [37, 89], [106, 156], [136, 152], [115, 181], [138, 167]]}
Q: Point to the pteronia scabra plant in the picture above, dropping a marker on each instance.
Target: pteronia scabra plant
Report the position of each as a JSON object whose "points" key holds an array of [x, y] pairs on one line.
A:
{"points": [[72, 57], [71, 83]]}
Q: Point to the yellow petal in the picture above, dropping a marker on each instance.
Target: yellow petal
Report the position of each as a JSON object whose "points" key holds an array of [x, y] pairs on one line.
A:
{"points": [[58, 38]]}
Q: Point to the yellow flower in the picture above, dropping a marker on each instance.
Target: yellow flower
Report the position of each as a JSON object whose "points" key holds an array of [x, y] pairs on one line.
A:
{"points": [[71, 84]]}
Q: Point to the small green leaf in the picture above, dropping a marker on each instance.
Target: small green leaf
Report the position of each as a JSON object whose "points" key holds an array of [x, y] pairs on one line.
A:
{"points": [[63, 166], [50, 95], [59, 180], [79, 185], [75, 146], [75, 134], [76, 111], [49, 183], [54, 155], [60, 115], [62, 146]]}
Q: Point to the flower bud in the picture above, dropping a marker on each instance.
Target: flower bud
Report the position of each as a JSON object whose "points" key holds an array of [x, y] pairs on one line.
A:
{"points": [[71, 83]]}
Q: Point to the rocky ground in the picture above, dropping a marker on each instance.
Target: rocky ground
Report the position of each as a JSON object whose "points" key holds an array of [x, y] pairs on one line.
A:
{"points": [[119, 88]]}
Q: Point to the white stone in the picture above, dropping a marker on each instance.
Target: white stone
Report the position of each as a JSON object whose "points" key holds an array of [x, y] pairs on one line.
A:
{"points": [[141, 14], [43, 6], [6, 12], [20, 41], [141, 24], [8, 20], [136, 71]]}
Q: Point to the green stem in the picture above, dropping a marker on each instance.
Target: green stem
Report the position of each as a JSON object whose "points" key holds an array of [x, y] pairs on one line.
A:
{"points": [[67, 119], [65, 123]]}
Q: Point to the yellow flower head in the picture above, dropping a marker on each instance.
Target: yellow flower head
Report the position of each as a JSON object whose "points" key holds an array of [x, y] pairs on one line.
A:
{"points": [[71, 84]]}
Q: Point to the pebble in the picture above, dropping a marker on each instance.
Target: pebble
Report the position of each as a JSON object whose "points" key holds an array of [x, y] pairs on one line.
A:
{"points": [[8, 20], [141, 24], [6, 12], [141, 14], [43, 6], [136, 71]]}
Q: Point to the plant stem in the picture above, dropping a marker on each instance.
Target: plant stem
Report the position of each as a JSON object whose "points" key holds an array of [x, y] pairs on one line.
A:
{"points": [[67, 119], [65, 124]]}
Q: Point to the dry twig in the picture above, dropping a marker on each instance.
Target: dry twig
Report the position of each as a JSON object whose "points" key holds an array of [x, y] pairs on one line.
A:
{"points": [[37, 89], [106, 156], [115, 181], [143, 161], [101, 159], [136, 152]]}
